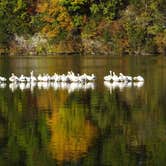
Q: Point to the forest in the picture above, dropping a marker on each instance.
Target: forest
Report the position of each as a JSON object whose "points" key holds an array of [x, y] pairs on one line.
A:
{"points": [[119, 27]]}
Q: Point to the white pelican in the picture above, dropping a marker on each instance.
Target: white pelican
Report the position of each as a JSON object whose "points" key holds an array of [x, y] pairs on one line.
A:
{"points": [[39, 78], [108, 77], [115, 78], [13, 78], [3, 79], [33, 78], [91, 77], [122, 77], [22, 78]]}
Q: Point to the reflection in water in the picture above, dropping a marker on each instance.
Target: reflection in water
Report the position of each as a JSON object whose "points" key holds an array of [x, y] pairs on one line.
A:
{"points": [[138, 84], [71, 87], [86, 127], [71, 133], [2, 85], [121, 85], [13, 86], [22, 86]]}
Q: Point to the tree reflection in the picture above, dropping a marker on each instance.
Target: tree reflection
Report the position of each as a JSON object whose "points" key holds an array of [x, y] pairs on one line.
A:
{"points": [[92, 127]]}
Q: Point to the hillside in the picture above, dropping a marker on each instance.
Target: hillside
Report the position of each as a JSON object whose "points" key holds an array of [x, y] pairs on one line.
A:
{"points": [[119, 27]]}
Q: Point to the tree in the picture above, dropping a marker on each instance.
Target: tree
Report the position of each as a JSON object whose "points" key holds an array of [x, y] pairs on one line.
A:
{"points": [[14, 18]]}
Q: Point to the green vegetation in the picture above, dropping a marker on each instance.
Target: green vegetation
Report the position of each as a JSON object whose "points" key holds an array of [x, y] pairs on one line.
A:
{"points": [[119, 26], [14, 19]]}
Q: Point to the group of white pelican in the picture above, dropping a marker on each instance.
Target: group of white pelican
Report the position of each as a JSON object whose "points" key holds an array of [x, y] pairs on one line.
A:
{"points": [[69, 77], [69, 81], [121, 81], [122, 78]]}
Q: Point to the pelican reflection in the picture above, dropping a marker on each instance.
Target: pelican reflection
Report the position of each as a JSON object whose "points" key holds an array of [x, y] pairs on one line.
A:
{"points": [[121, 85], [138, 84], [70, 87], [2, 85], [13, 86]]}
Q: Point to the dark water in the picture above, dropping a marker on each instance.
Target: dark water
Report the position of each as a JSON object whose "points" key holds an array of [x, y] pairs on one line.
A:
{"points": [[94, 125]]}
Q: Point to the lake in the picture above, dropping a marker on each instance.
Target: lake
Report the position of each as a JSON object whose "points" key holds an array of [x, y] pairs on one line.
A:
{"points": [[95, 124]]}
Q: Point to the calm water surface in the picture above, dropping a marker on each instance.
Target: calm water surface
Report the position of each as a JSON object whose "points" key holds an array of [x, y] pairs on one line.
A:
{"points": [[92, 125]]}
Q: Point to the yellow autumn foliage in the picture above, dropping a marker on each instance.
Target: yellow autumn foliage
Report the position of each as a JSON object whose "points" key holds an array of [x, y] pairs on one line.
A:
{"points": [[71, 134], [160, 40], [48, 19], [56, 17], [41, 8]]}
